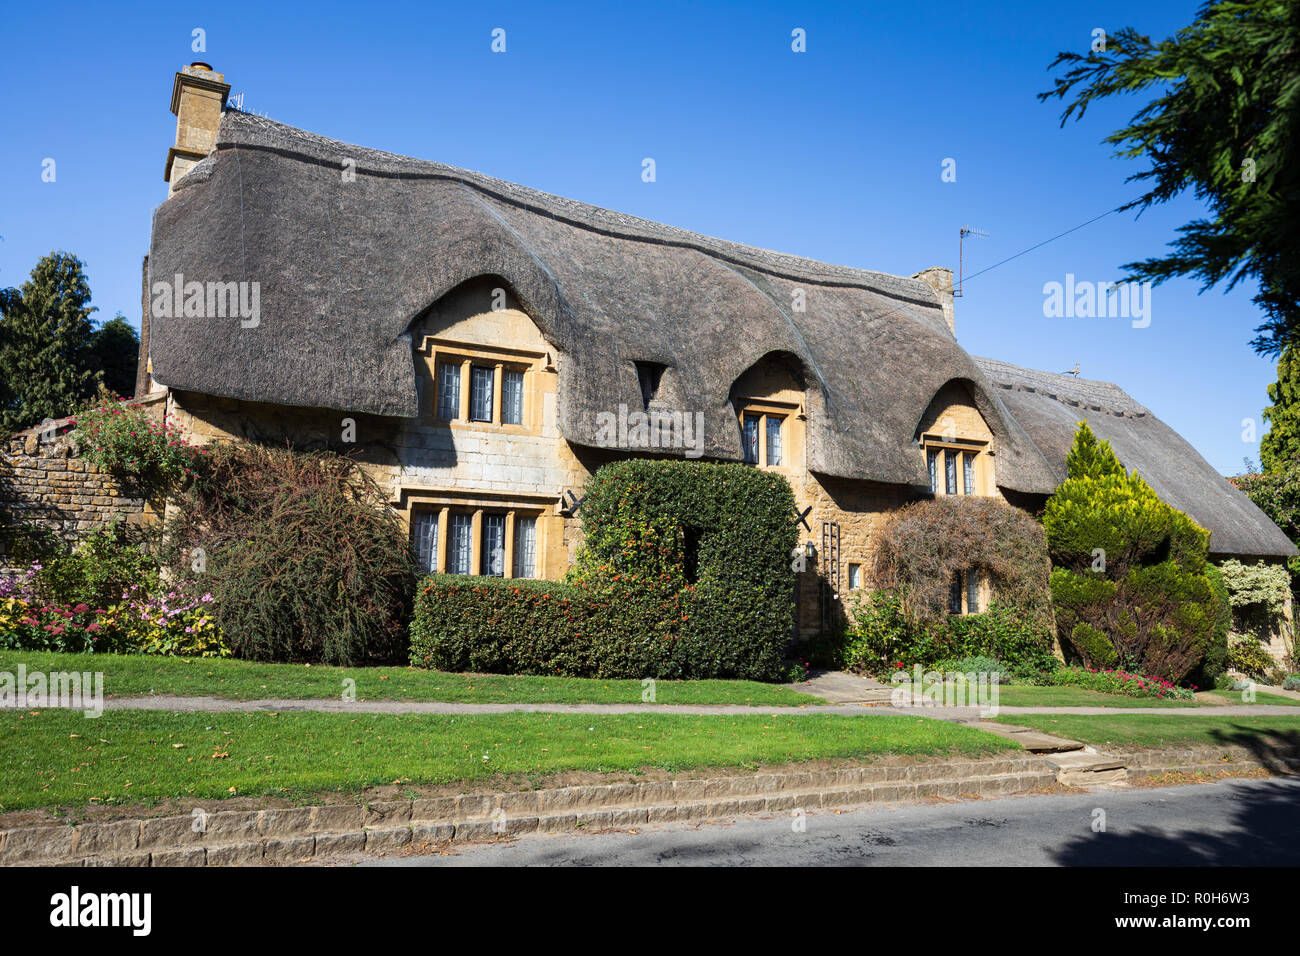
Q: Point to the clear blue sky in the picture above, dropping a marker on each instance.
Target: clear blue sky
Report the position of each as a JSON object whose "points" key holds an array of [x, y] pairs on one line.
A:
{"points": [[834, 153]]}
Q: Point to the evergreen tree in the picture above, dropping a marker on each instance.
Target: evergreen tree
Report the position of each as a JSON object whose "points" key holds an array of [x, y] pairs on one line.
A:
{"points": [[1281, 444], [45, 351], [1129, 582], [116, 349], [1220, 101], [1090, 458]]}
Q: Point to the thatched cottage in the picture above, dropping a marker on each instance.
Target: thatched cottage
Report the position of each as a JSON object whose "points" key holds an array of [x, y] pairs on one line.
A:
{"points": [[484, 347]]}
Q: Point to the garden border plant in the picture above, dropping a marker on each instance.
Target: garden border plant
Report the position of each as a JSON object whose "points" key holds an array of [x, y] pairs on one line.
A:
{"points": [[121, 437]]}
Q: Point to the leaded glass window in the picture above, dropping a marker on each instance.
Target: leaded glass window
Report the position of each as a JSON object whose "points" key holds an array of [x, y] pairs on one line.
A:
{"points": [[480, 393], [750, 436], [512, 397], [525, 547], [460, 544], [492, 556], [773, 440], [424, 531], [448, 390]]}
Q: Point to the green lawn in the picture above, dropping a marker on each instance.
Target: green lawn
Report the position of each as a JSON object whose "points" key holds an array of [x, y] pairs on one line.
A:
{"points": [[127, 675], [1136, 730], [1234, 697], [60, 758], [1026, 695]]}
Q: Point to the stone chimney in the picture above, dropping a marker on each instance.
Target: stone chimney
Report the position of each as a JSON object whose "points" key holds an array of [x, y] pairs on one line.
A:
{"points": [[939, 279], [198, 96]]}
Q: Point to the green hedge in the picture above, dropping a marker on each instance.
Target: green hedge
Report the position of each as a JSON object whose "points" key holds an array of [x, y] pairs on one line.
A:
{"points": [[684, 573]]}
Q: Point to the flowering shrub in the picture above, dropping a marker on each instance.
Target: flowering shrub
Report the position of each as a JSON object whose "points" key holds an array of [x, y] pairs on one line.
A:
{"points": [[175, 623], [1116, 681], [120, 437], [72, 629]]}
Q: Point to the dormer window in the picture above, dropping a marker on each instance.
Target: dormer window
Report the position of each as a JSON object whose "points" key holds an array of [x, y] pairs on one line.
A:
{"points": [[649, 375], [954, 465], [482, 389], [762, 434]]}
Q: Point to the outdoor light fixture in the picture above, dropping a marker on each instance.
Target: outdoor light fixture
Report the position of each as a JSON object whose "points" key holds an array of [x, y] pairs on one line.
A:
{"points": [[810, 550]]}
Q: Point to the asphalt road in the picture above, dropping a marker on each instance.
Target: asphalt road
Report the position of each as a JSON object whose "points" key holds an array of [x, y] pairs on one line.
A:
{"points": [[1251, 822]]}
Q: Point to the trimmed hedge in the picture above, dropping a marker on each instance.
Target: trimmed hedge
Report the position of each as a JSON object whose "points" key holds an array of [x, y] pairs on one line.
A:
{"points": [[684, 573]]}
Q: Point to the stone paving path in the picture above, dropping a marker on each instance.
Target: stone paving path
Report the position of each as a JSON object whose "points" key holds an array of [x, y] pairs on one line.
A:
{"points": [[218, 704], [837, 687]]}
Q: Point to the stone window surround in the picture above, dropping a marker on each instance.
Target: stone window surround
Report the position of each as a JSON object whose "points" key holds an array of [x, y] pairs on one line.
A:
{"points": [[764, 409], [512, 507], [439, 351], [983, 588], [947, 445]]}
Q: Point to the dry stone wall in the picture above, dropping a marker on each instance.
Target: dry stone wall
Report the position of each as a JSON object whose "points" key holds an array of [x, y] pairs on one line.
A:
{"points": [[43, 483]]}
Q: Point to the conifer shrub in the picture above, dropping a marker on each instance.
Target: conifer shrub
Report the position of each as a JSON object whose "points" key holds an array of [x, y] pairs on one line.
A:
{"points": [[1130, 585]]}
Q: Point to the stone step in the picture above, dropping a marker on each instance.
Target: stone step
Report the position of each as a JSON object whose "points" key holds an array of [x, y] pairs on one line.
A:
{"points": [[1082, 768], [1034, 741]]}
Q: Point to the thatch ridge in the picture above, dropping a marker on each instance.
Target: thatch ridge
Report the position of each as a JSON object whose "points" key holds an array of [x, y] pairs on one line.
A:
{"points": [[1050, 406]]}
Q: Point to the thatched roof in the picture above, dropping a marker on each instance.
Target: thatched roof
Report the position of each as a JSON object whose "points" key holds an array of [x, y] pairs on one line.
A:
{"points": [[1050, 408], [346, 267]]}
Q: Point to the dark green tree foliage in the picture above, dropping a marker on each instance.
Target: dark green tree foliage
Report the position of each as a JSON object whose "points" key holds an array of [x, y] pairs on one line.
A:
{"points": [[1130, 586], [1281, 444], [116, 350], [45, 345], [1225, 123], [685, 573]]}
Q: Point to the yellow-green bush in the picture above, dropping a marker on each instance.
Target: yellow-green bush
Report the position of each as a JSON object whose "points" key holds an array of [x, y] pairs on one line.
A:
{"points": [[1130, 583]]}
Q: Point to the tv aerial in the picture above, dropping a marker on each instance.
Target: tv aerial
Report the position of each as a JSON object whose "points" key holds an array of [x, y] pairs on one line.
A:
{"points": [[961, 241]]}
